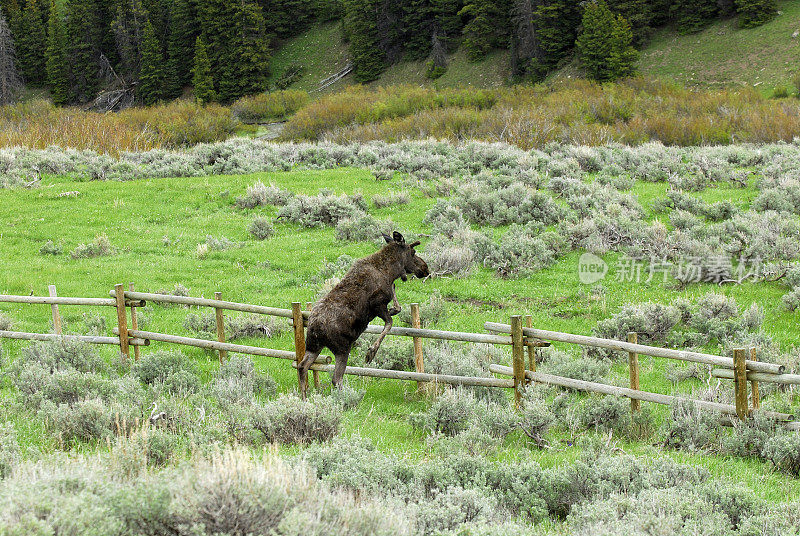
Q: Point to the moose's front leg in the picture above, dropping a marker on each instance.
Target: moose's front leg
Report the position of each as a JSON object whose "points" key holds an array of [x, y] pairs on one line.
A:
{"points": [[395, 304], [386, 316]]}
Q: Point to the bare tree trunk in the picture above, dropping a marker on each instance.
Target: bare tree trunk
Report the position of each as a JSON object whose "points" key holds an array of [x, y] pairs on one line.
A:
{"points": [[10, 80]]}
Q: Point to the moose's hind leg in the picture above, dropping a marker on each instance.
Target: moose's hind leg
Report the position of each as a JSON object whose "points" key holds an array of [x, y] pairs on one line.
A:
{"points": [[384, 315], [302, 370], [339, 368]]}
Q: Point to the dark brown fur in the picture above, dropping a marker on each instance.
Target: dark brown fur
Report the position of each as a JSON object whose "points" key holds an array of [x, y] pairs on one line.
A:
{"points": [[363, 294]]}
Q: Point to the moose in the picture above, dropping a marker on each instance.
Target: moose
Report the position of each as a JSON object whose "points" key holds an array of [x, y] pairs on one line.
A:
{"points": [[364, 293]]}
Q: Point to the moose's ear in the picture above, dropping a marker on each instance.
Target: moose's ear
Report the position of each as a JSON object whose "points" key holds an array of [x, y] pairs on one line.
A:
{"points": [[398, 238], [414, 244], [387, 238]]}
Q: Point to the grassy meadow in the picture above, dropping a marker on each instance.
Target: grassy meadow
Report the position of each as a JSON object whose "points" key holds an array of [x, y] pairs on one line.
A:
{"points": [[155, 226]]}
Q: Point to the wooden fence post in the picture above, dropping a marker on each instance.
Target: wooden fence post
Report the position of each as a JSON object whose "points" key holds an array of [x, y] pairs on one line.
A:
{"points": [[122, 322], [223, 354], [54, 308], [633, 368], [137, 352], [419, 363], [531, 347], [740, 382], [754, 384], [518, 354], [299, 334], [314, 373]]}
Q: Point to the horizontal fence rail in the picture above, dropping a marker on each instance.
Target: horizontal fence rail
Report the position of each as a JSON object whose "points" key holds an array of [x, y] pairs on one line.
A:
{"points": [[205, 302], [593, 387], [215, 345], [59, 300], [419, 376], [785, 379], [457, 336], [91, 339], [622, 346]]}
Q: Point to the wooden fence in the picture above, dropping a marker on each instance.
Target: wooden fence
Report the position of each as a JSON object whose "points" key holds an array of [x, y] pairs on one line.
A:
{"points": [[743, 368]]}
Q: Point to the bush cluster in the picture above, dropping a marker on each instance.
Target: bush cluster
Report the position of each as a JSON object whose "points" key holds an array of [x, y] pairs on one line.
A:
{"points": [[261, 228], [324, 209], [273, 106], [288, 419], [236, 326], [713, 317], [69, 387], [99, 247], [228, 491], [259, 195]]}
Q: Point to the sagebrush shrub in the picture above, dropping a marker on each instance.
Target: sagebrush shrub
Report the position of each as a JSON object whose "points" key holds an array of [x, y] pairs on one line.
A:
{"points": [[261, 228], [362, 227], [10, 454], [524, 250], [783, 450], [64, 354], [85, 420], [99, 247], [5, 323], [236, 326], [390, 199], [50, 248], [690, 428], [290, 420], [157, 366], [237, 381], [259, 195], [536, 415], [324, 209], [606, 413], [749, 437], [581, 368]]}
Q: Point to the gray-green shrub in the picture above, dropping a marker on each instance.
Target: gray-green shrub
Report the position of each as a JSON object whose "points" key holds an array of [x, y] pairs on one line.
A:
{"points": [[290, 420], [99, 247], [261, 228]]}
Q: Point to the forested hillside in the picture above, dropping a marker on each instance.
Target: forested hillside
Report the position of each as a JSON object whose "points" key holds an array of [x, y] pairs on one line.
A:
{"points": [[145, 51]]}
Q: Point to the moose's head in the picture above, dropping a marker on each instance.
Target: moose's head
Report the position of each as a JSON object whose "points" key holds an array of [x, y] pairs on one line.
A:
{"points": [[411, 263]]}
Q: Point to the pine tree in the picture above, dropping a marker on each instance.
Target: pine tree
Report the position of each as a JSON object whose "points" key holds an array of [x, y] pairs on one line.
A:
{"points": [[151, 75], [183, 33], [369, 59], [250, 59], [57, 62], [639, 14], [10, 81], [202, 78], [418, 26], [128, 29], [693, 15], [448, 22], [29, 44], [555, 29], [623, 57], [604, 44], [754, 13], [478, 32], [286, 18], [81, 28]]}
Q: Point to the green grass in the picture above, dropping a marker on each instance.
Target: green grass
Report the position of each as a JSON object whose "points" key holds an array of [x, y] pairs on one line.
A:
{"points": [[724, 54], [319, 50], [157, 224]]}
